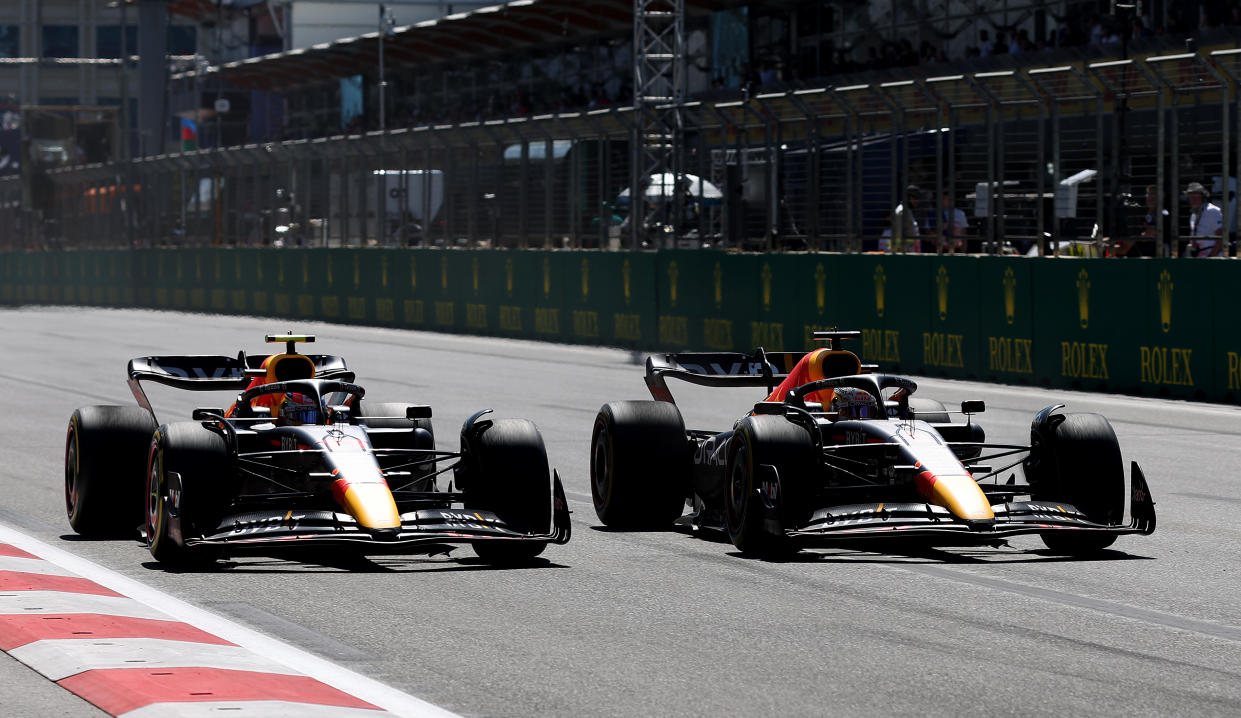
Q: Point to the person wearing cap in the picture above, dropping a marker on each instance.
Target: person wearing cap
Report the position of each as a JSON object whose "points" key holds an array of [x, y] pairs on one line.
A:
{"points": [[1206, 223], [905, 223]]}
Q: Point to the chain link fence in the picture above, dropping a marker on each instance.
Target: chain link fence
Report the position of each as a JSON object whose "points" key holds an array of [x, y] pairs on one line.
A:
{"points": [[1077, 158]]}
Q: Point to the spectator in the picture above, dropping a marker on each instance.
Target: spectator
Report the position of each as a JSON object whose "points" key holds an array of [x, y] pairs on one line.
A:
{"points": [[952, 226], [904, 222], [1206, 224], [1145, 247], [1001, 45], [987, 46]]}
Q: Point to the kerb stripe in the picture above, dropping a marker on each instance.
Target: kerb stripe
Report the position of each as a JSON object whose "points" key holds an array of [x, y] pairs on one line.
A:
{"points": [[10, 550], [120, 690], [18, 581], [19, 630]]}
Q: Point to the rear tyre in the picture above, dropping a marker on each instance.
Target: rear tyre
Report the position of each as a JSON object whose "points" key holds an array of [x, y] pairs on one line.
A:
{"points": [[105, 451], [391, 415], [200, 458], [509, 476], [1077, 461], [640, 464], [758, 510]]}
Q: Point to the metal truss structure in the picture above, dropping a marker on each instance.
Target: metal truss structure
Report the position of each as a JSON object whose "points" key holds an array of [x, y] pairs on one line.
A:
{"points": [[658, 92]]}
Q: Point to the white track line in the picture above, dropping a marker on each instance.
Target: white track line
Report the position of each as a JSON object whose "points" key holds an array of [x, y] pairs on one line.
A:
{"points": [[355, 684]]}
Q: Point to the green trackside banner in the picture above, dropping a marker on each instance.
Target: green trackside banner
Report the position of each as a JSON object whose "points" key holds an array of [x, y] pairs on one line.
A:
{"points": [[1150, 326]]}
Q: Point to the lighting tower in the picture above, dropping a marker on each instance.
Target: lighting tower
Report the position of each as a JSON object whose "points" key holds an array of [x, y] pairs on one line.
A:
{"points": [[658, 91]]}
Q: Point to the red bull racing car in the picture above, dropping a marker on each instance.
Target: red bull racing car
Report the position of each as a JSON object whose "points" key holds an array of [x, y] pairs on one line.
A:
{"points": [[836, 453], [301, 458]]}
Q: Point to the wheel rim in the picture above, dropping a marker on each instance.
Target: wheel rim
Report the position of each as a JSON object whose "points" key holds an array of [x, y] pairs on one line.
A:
{"points": [[71, 471], [738, 487], [154, 502], [601, 465]]}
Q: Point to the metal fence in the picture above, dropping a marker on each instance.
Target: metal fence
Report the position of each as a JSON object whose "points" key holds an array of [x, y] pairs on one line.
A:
{"points": [[1040, 160]]}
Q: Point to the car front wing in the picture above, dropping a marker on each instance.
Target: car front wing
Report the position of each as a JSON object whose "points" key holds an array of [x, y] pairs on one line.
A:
{"points": [[910, 519]]}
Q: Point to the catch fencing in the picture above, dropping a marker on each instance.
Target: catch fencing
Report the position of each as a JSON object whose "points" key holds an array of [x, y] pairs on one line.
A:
{"points": [[1038, 159]]}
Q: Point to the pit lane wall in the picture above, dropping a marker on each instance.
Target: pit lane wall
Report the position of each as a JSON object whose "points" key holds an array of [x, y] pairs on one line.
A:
{"points": [[1143, 326]]}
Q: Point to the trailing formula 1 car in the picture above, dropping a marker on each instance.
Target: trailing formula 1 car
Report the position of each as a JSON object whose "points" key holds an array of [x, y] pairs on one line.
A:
{"points": [[836, 454], [299, 459]]}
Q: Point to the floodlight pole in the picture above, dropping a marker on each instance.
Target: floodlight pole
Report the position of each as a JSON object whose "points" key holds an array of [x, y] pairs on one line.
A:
{"points": [[126, 150], [382, 84]]}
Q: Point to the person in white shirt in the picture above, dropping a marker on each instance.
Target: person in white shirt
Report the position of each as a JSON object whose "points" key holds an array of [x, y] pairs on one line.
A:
{"points": [[905, 224], [1206, 223]]}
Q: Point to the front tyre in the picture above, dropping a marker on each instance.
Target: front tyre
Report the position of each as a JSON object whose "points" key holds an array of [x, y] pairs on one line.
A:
{"points": [[509, 476], [760, 504], [105, 449], [640, 464], [1075, 458], [187, 475]]}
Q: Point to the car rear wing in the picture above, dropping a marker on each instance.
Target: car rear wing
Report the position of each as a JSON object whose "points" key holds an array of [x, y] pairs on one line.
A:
{"points": [[207, 372], [718, 369]]}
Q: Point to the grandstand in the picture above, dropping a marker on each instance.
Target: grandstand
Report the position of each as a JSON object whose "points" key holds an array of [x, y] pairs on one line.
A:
{"points": [[810, 117]]}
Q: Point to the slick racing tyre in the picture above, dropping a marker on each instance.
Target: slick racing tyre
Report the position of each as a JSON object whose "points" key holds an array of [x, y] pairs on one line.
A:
{"points": [[391, 415], [510, 477], [758, 508], [105, 453], [1076, 460], [189, 485], [640, 464]]}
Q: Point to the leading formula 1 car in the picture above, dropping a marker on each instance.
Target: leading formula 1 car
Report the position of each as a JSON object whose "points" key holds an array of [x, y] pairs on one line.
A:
{"points": [[302, 459], [837, 454]]}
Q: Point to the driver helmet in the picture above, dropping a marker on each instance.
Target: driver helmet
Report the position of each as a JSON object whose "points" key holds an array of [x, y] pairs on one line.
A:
{"points": [[849, 403], [299, 409]]}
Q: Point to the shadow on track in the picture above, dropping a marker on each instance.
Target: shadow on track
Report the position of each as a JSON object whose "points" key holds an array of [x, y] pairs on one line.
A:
{"points": [[353, 563], [894, 550]]}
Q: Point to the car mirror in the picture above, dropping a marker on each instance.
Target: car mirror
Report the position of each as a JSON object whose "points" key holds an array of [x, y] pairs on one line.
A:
{"points": [[420, 411], [207, 414], [974, 406]]}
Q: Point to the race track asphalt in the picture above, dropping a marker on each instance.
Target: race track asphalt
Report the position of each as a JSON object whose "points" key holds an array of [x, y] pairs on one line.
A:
{"points": [[666, 623]]}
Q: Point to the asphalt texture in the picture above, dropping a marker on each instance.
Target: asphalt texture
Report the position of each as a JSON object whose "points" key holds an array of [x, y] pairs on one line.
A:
{"points": [[668, 623]]}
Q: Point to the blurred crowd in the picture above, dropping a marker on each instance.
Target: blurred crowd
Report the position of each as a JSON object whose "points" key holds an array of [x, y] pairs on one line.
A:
{"points": [[1081, 31]]}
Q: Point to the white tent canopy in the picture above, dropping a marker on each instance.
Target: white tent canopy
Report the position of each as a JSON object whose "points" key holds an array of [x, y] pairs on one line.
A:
{"points": [[662, 186]]}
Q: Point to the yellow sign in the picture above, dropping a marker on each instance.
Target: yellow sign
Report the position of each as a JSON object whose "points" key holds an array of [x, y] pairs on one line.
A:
{"points": [[881, 281], [719, 285], [941, 285], [444, 272], [585, 278], [766, 275], [1010, 296], [383, 272], [1165, 301], [672, 283], [547, 278], [820, 288], [1083, 298], [508, 276], [357, 271], [413, 276], [474, 273], [625, 272]]}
